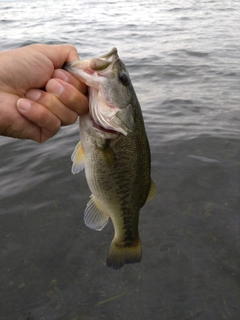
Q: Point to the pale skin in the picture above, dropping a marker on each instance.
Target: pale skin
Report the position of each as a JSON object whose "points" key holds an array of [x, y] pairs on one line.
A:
{"points": [[36, 95]]}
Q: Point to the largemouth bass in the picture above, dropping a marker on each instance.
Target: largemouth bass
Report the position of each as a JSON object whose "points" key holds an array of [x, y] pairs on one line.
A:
{"points": [[115, 153]]}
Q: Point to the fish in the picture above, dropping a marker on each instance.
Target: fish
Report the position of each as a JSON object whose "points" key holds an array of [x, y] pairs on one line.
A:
{"points": [[115, 153]]}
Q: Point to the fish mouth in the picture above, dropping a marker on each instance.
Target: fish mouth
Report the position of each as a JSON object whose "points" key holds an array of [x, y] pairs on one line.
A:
{"points": [[116, 119], [103, 62], [85, 69], [104, 113]]}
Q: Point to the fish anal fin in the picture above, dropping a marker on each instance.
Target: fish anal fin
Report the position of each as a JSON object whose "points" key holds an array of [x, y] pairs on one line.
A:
{"points": [[152, 192], [121, 253], [94, 218], [78, 158]]}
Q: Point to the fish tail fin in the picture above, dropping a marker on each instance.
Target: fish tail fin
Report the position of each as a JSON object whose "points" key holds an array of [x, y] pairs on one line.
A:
{"points": [[121, 253]]}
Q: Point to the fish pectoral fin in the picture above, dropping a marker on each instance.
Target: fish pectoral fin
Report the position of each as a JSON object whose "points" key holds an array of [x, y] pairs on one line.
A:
{"points": [[78, 158], [152, 191], [109, 156], [94, 218]]}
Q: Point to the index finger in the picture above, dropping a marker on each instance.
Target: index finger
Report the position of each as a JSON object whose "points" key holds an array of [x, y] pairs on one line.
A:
{"points": [[58, 54]]}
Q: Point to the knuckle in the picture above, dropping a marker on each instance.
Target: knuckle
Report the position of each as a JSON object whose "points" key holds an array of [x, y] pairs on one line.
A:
{"points": [[70, 118], [74, 117]]}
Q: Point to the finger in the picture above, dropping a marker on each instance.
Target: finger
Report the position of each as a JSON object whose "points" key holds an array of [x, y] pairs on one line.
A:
{"points": [[68, 95], [58, 54], [53, 104], [14, 124], [44, 123], [69, 78]]}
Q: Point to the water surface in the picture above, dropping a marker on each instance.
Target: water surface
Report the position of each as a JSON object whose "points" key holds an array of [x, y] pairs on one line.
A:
{"points": [[183, 58]]}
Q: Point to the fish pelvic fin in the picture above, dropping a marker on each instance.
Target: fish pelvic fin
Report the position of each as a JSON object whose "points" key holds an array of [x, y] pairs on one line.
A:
{"points": [[123, 253], [94, 217], [78, 158], [152, 191]]}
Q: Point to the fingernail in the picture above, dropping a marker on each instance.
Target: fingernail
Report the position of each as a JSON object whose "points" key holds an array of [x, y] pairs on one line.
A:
{"points": [[33, 94], [23, 105], [55, 87]]}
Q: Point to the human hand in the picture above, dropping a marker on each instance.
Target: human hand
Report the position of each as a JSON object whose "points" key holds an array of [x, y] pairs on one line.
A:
{"points": [[36, 95]]}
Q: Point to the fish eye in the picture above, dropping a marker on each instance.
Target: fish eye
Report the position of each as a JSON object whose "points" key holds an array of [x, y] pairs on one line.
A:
{"points": [[123, 78]]}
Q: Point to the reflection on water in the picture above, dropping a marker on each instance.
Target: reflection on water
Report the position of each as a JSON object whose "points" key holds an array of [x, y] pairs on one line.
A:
{"points": [[184, 64]]}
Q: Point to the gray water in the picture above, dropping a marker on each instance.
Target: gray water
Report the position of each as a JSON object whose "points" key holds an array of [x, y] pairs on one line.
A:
{"points": [[183, 58]]}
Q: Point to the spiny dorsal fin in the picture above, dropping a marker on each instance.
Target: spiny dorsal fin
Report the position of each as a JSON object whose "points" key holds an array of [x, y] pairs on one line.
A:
{"points": [[152, 191], [94, 218], [78, 158]]}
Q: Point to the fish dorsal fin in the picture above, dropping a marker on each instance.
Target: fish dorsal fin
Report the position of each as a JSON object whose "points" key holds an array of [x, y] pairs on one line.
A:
{"points": [[94, 218], [78, 158], [152, 191]]}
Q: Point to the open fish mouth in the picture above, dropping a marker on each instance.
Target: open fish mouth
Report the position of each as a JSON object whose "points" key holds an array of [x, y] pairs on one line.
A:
{"points": [[91, 69], [95, 64], [99, 74]]}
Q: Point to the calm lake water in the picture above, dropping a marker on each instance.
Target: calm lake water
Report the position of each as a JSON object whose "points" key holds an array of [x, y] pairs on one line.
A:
{"points": [[183, 58]]}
